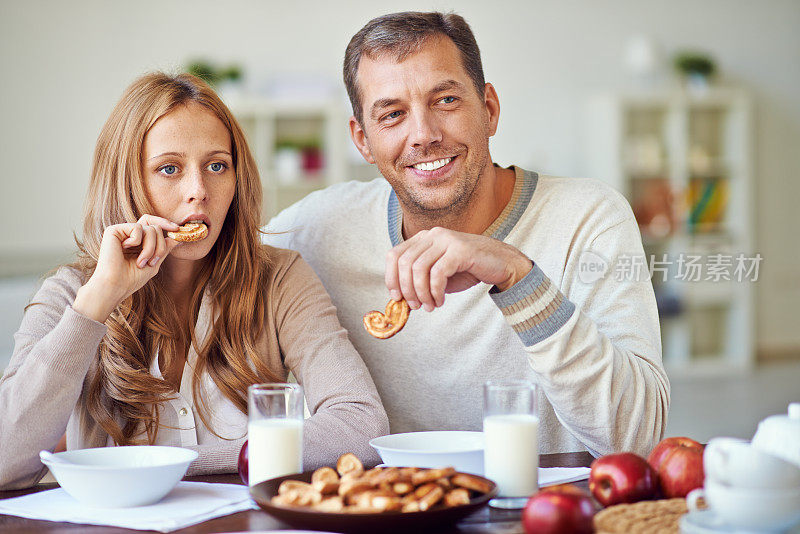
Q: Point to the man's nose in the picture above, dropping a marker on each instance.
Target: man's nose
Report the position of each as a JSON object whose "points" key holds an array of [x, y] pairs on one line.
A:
{"points": [[196, 186], [425, 129]]}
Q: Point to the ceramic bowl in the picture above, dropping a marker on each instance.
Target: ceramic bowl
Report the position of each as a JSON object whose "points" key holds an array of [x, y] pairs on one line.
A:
{"points": [[460, 449], [119, 477]]}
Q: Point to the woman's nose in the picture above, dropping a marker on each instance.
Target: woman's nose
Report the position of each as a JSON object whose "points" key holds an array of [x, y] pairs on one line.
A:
{"points": [[196, 186]]}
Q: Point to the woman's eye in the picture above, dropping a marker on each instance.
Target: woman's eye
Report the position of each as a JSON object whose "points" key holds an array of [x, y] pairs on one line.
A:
{"points": [[217, 166], [169, 170]]}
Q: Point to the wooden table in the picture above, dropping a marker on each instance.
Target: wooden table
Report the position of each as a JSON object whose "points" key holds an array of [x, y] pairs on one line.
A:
{"points": [[486, 520]]}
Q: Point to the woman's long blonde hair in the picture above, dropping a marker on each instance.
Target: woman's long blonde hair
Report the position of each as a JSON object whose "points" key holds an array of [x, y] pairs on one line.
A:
{"points": [[122, 394]]}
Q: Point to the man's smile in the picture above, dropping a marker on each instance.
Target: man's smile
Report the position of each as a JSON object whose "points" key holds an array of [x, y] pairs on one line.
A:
{"points": [[432, 165], [433, 169]]}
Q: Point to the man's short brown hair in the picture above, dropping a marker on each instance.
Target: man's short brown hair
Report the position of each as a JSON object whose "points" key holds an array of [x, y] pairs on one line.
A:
{"points": [[402, 34]]}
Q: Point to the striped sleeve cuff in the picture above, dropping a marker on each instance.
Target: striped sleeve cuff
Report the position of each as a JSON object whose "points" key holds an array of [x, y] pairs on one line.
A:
{"points": [[534, 307]]}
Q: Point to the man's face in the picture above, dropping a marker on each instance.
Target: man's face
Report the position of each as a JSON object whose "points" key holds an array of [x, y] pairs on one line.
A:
{"points": [[425, 126]]}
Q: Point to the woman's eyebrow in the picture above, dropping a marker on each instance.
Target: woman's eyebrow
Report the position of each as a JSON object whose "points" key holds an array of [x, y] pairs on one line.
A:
{"points": [[179, 154], [183, 154], [215, 152]]}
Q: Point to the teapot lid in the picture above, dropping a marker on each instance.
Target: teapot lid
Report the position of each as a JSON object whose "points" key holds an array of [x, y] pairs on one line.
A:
{"points": [[780, 423], [792, 419], [780, 434]]}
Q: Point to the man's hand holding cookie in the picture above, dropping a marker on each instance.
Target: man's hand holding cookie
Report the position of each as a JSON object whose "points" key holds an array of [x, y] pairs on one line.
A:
{"points": [[434, 262]]}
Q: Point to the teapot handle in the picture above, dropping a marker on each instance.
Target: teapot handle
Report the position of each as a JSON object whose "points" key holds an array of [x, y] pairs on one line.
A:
{"points": [[693, 498]]}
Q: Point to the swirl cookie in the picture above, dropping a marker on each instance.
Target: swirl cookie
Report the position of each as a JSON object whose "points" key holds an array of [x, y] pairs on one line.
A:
{"points": [[190, 232], [385, 325]]}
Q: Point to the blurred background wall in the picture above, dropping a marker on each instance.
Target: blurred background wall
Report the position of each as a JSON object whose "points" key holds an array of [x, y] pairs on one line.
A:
{"points": [[64, 65]]}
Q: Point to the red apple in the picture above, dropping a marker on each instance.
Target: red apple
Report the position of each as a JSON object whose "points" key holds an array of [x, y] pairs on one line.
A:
{"points": [[679, 464], [666, 445], [622, 478], [244, 463], [563, 509]]}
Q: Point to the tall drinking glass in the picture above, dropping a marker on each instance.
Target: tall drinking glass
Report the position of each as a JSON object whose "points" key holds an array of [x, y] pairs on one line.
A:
{"points": [[274, 431], [511, 433]]}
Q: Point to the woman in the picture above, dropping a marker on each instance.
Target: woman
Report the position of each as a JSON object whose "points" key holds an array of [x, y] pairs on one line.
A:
{"points": [[146, 340]]}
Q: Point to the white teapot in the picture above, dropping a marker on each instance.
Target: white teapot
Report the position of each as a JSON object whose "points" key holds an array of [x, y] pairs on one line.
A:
{"points": [[780, 435]]}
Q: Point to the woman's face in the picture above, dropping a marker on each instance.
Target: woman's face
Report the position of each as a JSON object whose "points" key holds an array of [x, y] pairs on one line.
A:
{"points": [[187, 165]]}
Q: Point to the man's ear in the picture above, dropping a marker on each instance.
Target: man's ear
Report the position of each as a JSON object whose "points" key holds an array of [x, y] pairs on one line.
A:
{"points": [[492, 104], [359, 138]]}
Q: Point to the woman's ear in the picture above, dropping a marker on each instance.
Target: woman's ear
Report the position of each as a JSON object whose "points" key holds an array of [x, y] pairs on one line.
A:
{"points": [[359, 138]]}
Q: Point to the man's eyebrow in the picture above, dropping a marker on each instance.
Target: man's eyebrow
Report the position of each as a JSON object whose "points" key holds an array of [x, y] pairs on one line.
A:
{"points": [[383, 103], [446, 86], [380, 104]]}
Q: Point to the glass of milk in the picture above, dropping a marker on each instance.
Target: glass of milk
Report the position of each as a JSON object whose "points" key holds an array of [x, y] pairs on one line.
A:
{"points": [[511, 435], [274, 431]]}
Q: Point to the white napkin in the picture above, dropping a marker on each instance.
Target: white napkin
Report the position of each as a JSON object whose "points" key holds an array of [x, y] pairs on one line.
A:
{"points": [[549, 476], [188, 504]]}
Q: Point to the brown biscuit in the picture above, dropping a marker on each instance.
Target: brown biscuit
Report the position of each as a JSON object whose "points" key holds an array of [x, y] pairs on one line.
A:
{"points": [[471, 482], [429, 475], [456, 497], [385, 325], [190, 232], [431, 498], [349, 463]]}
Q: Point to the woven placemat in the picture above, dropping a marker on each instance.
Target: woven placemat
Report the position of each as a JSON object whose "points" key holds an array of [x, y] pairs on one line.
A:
{"points": [[646, 517]]}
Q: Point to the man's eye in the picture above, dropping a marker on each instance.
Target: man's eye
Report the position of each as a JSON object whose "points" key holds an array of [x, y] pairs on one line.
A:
{"points": [[448, 100], [169, 170], [217, 167], [392, 115]]}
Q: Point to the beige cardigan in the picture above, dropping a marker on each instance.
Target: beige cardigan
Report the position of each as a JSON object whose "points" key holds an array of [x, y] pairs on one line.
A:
{"points": [[42, 393]]}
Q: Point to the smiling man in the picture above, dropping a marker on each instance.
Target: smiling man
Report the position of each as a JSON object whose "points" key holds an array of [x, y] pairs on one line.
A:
{"points": [[526, 261]]}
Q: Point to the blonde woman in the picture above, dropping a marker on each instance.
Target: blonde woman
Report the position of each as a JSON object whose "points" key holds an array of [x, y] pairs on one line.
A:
{"points": [[145, 340]]}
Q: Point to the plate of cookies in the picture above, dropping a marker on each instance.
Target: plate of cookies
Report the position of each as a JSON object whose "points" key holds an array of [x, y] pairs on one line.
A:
{"points": [[349, 498]]}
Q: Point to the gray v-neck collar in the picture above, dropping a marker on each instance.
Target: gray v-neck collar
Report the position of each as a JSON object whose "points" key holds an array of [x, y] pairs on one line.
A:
{"points": [[524, 186]]}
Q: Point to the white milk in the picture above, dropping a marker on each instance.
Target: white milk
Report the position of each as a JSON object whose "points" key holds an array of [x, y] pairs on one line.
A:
{"points": [[511, 456], [275, 448]]}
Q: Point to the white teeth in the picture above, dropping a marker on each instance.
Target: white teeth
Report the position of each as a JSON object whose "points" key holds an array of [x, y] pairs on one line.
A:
{"points": [[196, 221], [432, 165]]}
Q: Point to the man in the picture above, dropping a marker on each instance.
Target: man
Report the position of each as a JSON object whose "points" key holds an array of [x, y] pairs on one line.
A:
{"points": [[505, 245]]}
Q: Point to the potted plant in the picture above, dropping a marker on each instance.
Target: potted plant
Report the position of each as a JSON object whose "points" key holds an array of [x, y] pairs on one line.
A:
{"points": [[225, 79], [696, 67]]}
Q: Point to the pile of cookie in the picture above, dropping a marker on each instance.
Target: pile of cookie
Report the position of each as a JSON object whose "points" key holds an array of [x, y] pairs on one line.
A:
{"points": [[351, 489]]}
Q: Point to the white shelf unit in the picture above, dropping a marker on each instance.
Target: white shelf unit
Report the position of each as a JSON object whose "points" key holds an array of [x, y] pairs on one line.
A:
{"points": [[268, 123], [684, 161]]}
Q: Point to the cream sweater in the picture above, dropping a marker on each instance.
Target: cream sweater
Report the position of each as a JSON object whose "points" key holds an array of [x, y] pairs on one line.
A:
{"points": [[592, 346], [43, 390]]}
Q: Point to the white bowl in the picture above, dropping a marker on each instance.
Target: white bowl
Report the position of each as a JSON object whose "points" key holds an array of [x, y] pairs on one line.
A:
{"points": [[119, 477], [460, 449]]}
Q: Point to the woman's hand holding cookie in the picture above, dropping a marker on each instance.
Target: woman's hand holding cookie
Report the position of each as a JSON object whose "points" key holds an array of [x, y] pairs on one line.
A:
{"points": [[130, 255]]}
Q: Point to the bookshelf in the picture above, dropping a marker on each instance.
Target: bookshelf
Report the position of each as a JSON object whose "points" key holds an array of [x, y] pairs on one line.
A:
{"points": [[299, 145], [684, 161]]}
